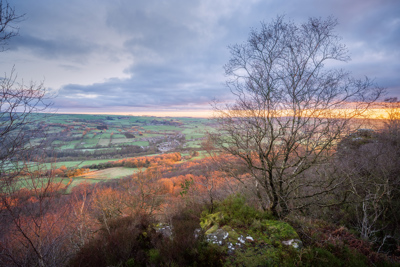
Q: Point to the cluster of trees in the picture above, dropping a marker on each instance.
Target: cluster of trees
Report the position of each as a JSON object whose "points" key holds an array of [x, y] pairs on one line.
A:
{"points": [[129, 135], [370, 163], [103, 153], [140, 162], [66, 172], [43, 227], [37, 171]]}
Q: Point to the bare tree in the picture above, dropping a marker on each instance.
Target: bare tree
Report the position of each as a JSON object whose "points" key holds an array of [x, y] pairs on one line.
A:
{"points": [[8, 23], [33, 223], [81, 223], [392, 107], [290, 110], [31, 233], [19, 126], [371, 162], [18, 101]]}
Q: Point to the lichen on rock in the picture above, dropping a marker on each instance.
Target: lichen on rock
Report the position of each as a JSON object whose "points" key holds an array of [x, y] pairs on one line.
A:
{"points": [[295, 243]]}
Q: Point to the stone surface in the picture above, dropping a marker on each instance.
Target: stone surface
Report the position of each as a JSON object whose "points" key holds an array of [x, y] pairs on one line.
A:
{"points": [[165, 230], [296, 243]]}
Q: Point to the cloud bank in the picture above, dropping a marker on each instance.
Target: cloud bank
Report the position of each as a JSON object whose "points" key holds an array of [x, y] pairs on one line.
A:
{"points": [[108, 56]]}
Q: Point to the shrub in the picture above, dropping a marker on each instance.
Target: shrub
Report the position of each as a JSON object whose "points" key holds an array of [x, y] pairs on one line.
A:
{"points": [[330, 245], [127, 240], [187, 249], [236, 212], [132, 241]]}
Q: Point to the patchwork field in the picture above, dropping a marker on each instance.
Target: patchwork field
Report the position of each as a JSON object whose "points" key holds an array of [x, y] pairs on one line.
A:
{"points": [[73, 137], [75, 141]]}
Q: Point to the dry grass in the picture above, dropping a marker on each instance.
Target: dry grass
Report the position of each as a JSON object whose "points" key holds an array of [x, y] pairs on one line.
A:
{"points": [[110, 173]]}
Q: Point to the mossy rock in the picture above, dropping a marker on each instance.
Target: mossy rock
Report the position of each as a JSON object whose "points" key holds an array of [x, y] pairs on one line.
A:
{"points": [[233, 235], [279, 230], [223, 236], [209, 220], [266, 249], [236, 213], [212, 229], [251, 237]]}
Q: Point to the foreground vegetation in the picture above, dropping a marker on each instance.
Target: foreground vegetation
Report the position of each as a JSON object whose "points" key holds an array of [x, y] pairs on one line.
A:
{"points": [[174, 212]]}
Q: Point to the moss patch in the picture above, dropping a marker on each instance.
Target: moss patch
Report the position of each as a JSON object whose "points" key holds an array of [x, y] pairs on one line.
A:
{"points": [[209, 220], [254, 239]]}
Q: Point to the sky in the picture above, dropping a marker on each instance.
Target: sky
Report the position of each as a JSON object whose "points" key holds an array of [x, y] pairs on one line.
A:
{"points": [[167, 56]]}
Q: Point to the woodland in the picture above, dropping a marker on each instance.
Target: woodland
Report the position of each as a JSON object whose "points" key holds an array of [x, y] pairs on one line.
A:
{"points": [[293, 173]]}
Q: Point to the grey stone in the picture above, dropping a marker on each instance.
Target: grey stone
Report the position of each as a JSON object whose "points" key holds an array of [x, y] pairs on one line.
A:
{"points": [[296, 243]]}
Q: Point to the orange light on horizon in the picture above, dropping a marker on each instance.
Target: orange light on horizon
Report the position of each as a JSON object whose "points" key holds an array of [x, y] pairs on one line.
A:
{"points": [[194, 114], [374, 113]]}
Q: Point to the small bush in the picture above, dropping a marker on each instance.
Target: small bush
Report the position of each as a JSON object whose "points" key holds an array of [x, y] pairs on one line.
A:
{"points": [[128, 241], [135, 242], [330, 245], [186, 249], [236, 212], [154, 255]]}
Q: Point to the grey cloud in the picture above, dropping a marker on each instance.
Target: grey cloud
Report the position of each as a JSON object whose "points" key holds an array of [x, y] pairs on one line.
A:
{"points": [[177, 48], [52, 49], [137, 94], [70, 67]]}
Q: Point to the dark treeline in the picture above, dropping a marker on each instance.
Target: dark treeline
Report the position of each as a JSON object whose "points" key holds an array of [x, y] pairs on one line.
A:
{"points": [[78, 154]]}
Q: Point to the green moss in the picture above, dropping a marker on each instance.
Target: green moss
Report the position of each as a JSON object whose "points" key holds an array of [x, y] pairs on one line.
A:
{"points": [[238, 219], [235, 212], [256, 226], [238, 213], [279, 230], [209, 220], [212, 229], [319, 257], [332, 256], [154, 255], [233, 235], [130, 263], [227, 228], [261, 254], [253, 257]]}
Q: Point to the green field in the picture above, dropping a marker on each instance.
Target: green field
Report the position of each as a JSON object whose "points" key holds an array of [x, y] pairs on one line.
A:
{"points": [[162, 128], [28, 183], [138, 143], [77, 181], [104, 142], [91, 177], [110, 173], [101, 176], [194, 144]]}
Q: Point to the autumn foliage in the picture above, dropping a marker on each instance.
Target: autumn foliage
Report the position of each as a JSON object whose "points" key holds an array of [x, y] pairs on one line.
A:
{"points": [[113, 222]]}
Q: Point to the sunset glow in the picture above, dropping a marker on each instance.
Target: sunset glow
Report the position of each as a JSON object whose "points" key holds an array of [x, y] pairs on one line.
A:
{"points": [[374, 113]]}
